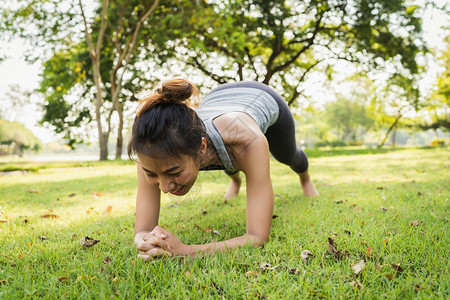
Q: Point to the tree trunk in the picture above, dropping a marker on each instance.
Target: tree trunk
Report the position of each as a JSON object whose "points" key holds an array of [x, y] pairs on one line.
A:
{"points": [[394, 136], [119, 145], [103, 143], [389, 131]]}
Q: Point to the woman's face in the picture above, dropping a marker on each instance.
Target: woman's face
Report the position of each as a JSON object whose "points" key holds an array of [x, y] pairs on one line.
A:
{"points": [[175, 176]]}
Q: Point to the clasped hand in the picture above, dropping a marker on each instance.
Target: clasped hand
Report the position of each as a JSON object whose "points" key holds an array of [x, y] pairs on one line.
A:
{"points": [[159, 243]]}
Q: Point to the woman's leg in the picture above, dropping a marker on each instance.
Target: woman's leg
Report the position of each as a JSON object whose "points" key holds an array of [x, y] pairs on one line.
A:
{"points": [[282, 145], [235, 184]]}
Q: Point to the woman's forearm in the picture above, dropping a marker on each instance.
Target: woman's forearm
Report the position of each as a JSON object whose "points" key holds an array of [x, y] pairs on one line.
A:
{"points": [[216, 247]]}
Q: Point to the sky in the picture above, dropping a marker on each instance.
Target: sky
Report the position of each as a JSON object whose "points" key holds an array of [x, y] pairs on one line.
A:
{"points": [[15, 71]]}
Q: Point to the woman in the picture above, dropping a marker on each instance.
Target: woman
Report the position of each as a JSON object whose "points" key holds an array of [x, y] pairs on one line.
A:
{"points": [[235, 127]]}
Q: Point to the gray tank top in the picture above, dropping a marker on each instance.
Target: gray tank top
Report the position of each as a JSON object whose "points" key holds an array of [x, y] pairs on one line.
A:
{"points": [[255, 102]]}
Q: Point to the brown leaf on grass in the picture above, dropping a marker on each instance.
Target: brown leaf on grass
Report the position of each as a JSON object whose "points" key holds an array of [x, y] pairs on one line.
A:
{"points": [[87, 241], [62, 278], [294, 271], [108, 209], [380, 188], [3, 281], [26, 220], [331, 249], [397, 268], [72, 195], [369, 252], [305, 255], [97, 194], [356, 284], [49, 216], [417, 287], [106, 260], [389, 276], [358, 267], [251, 273], [268, 267], [33, 191], [414, 223], [382, 208], [4, 221], [347, 232], [352, 206], [115, 279]]}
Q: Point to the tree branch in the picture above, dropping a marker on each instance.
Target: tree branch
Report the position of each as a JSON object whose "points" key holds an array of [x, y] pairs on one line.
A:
{"points": [[252, 63], [102, 26], [306, 47], [130, 49], [215, 77], [302, 78]]}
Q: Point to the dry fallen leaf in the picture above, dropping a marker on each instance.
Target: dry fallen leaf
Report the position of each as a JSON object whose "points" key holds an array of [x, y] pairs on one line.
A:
{"points": [[357, 284], [358, 267], [115, 279], [369, 252], [414, 223], [52, 216], [417, 287], [4, 221], [294, 271], [62, 278], [72, 195], [331, 249], [32, 191], [383, 208], [268, 267], [88, 242], [251, 273], [108, 209], [305, 255], [106, 260], [397, 268]]}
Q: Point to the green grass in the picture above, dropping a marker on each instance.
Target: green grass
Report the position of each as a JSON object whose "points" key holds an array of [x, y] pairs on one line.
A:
{"points": [[413, 185]]}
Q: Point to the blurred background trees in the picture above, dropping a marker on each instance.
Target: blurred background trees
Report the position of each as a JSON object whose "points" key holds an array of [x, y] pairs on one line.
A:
{"points": [[99, 57]]}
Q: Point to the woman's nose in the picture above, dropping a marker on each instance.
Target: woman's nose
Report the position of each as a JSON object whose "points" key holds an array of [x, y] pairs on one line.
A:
{"points": [[167, 186]]}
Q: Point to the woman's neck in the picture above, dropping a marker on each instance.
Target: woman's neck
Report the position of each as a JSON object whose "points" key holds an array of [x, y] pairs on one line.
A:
{"points": [[210, 157]]}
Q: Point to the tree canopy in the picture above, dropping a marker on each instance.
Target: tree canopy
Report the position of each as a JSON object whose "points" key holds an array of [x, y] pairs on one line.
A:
{"points": [[18, 137]]}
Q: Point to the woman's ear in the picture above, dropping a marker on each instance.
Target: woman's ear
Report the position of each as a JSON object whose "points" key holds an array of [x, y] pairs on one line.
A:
{"points": [[203, 147]]}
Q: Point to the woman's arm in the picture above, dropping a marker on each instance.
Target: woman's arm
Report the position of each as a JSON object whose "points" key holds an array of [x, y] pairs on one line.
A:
{"points": [[251, 155], [147, 215]]}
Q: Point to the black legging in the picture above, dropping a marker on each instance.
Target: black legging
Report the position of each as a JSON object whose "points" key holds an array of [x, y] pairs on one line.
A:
{"points": [[281, 135]]}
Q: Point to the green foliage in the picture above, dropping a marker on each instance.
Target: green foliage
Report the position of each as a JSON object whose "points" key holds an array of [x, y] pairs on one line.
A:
{"points": [[348, 117], [280, 42], [18, 136]]}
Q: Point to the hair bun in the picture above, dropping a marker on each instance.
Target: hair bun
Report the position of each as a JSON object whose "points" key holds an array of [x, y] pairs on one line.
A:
{"points": [[177, 90], [172, 91]]}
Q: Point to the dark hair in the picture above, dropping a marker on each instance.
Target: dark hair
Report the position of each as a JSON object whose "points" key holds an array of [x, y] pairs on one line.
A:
{"points": [[165, 126]]}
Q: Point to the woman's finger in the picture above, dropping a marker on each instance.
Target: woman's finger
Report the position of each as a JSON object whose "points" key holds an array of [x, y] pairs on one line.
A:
{"points": [[154, 253], [159, 232], [156, 241], [145, 246]]}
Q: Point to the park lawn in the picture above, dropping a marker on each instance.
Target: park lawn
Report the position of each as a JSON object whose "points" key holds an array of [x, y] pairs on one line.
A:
{"points": [[390, 210]]}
